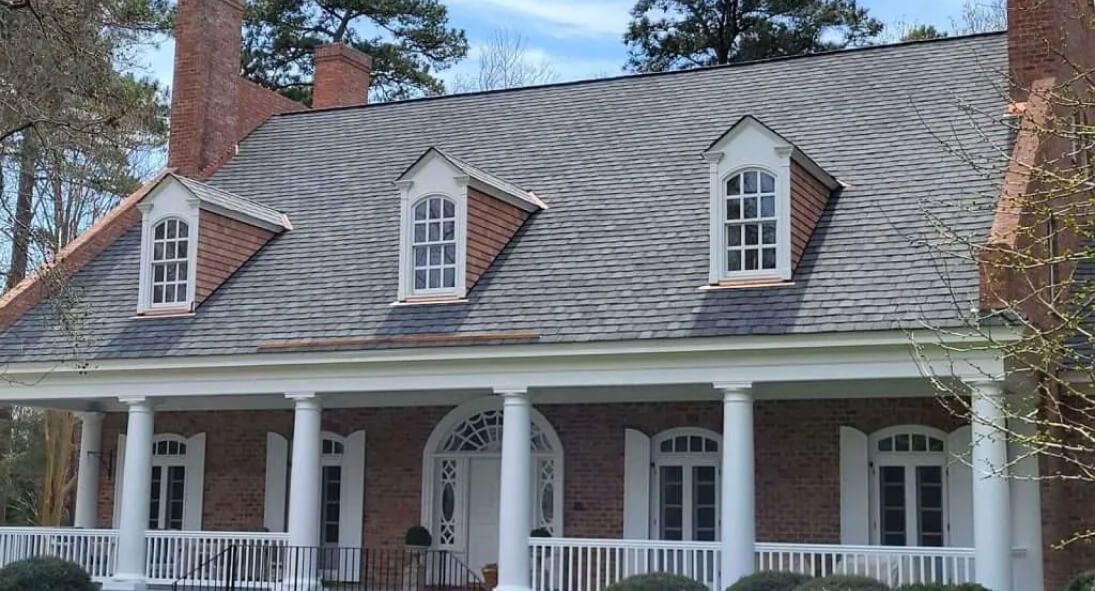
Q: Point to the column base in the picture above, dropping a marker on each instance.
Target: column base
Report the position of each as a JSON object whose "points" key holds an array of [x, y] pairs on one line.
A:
{"points": [[124, 583]]}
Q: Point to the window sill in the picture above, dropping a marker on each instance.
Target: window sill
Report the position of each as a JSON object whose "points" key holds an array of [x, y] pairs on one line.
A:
{"points": [[165, 313], [748, 283], [426, 300]]}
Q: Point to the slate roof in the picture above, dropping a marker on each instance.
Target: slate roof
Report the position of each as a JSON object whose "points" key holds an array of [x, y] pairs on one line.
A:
{"points": [[487, 178], [232, 202], [623, 250]]}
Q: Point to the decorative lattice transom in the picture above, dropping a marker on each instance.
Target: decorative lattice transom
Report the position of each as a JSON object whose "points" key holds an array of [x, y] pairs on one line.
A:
{"points": [[910, 442], [483, 433]]}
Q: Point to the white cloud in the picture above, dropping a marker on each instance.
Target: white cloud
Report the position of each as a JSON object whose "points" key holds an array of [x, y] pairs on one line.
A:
{"points": [[564, 18]]}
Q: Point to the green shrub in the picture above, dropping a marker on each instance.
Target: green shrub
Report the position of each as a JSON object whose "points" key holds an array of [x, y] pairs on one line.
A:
{"points": [[1082, 582], [417, 536], [941, 587], [657, 582], [45, 574], [843, 583], [769, 581]]}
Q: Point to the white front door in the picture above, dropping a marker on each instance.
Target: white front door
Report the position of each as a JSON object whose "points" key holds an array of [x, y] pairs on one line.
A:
{"points": [[483, 485]]}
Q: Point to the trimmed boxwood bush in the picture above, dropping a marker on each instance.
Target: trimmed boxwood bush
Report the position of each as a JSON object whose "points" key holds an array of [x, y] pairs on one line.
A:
{"points": [[769, 581], [843, 583], [657, 582], [1083, 582], [417, 536], [941, 587], [45, 574]]}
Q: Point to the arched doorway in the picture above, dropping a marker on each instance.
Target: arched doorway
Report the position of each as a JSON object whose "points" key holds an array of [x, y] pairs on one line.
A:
{"points": [[461, 468]]}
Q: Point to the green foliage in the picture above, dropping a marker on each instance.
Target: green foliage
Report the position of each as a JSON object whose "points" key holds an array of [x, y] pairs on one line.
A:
{"points": [[680, 34], [44, 574], [769, 581], [843, 583], [922, 33], [409, 41], [657, 582], [1081, 582], [417, 536], [941, 587]]}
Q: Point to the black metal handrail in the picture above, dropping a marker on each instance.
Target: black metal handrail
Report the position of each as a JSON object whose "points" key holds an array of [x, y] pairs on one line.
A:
{"points": [[260, 566]]}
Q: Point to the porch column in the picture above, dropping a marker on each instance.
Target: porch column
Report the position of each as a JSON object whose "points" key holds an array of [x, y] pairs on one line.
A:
{"points": [[304, 490], [514, 504], [136, 482], [86, 513], [739, 535], [991, 489]]}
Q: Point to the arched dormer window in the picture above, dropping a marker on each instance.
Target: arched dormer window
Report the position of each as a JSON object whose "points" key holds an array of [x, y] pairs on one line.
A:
{"points": [[170, 263], [433, 245]]}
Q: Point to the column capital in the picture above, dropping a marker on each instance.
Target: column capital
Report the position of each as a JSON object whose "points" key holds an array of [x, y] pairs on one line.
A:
{"points": [[134, 402], [511, 391], [735, 391], [303, 400], [985, 385]]}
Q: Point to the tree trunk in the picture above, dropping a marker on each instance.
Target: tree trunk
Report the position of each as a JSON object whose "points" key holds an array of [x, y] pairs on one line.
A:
{"points": [[21, 221], [60, 432]]}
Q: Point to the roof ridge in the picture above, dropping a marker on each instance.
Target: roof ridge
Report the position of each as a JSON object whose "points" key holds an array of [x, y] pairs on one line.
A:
{"points": [[640, 75]]}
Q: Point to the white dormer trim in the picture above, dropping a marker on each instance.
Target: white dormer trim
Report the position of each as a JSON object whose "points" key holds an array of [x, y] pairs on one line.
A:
{"points": [[170, 199], [432, 175], [749, 145]]}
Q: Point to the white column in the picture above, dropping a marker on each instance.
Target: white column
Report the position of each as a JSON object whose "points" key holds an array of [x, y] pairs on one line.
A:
{"points": [[739, 532], [86, 513], [991, 489], [515, 503], [136, 482], [304, 490]]}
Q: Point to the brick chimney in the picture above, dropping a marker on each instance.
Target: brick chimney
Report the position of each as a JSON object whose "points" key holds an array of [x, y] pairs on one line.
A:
{"points": [[212, 106], [1049, 38], [342, 76]]}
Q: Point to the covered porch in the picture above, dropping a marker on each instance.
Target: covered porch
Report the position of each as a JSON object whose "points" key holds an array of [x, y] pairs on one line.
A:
{"points": [[569, 472]]}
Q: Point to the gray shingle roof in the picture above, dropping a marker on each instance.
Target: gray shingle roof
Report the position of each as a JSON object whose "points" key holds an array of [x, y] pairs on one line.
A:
{"points": [[623, 249]]}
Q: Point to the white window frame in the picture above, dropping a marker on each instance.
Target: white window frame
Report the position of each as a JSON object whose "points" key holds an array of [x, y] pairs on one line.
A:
{"points": [[194, 484], [169, 200], [909, 461], [687, 461], [188, 259], [414, 244], [748, 145], [432, 176]]}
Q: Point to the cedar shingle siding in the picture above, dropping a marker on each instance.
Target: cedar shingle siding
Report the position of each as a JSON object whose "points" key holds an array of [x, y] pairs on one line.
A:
{"points": [[224, 245], [491, 225], [808, 199]]}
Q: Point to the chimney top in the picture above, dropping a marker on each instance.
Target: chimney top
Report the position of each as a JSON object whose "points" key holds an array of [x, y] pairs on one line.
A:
{"points": [[342, 76]]}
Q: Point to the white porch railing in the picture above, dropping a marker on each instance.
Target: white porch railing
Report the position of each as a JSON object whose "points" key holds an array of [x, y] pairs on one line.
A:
{"points": [[204, 555], [586, 564], [892, 565], [583, 564], [170, 555], [93, 549]]}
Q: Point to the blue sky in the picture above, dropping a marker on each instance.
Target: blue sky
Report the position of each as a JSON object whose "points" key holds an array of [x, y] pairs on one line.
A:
{"points": [[581, 38]]}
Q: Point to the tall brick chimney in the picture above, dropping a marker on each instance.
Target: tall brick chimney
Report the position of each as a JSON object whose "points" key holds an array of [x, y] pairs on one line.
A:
{"points": [[1049, 38], [342, 76], [212, 106]]}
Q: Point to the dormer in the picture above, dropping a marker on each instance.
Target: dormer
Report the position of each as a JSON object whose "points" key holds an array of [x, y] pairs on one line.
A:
{"points": [[766, 197], [455, 219], [194, 237]]}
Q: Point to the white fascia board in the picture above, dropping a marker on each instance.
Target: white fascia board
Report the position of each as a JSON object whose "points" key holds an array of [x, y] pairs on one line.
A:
{"points": [[462, 370]]}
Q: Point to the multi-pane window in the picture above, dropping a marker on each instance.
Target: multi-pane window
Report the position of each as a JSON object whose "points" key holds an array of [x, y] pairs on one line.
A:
{"points": [[750, 222], [434, 244], [687, 486], [167, 493], [910, 488], [170, 262]]}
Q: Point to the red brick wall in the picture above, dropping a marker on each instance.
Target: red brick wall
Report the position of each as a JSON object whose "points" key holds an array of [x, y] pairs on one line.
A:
{"points": [[224, 245], [1040, 32], [797, 444], [808, 199], [491, 224], [342, 76]]}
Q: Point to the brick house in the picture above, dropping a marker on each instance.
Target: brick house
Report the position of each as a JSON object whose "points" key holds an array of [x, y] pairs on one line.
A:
{"points": [[691, 297]]}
